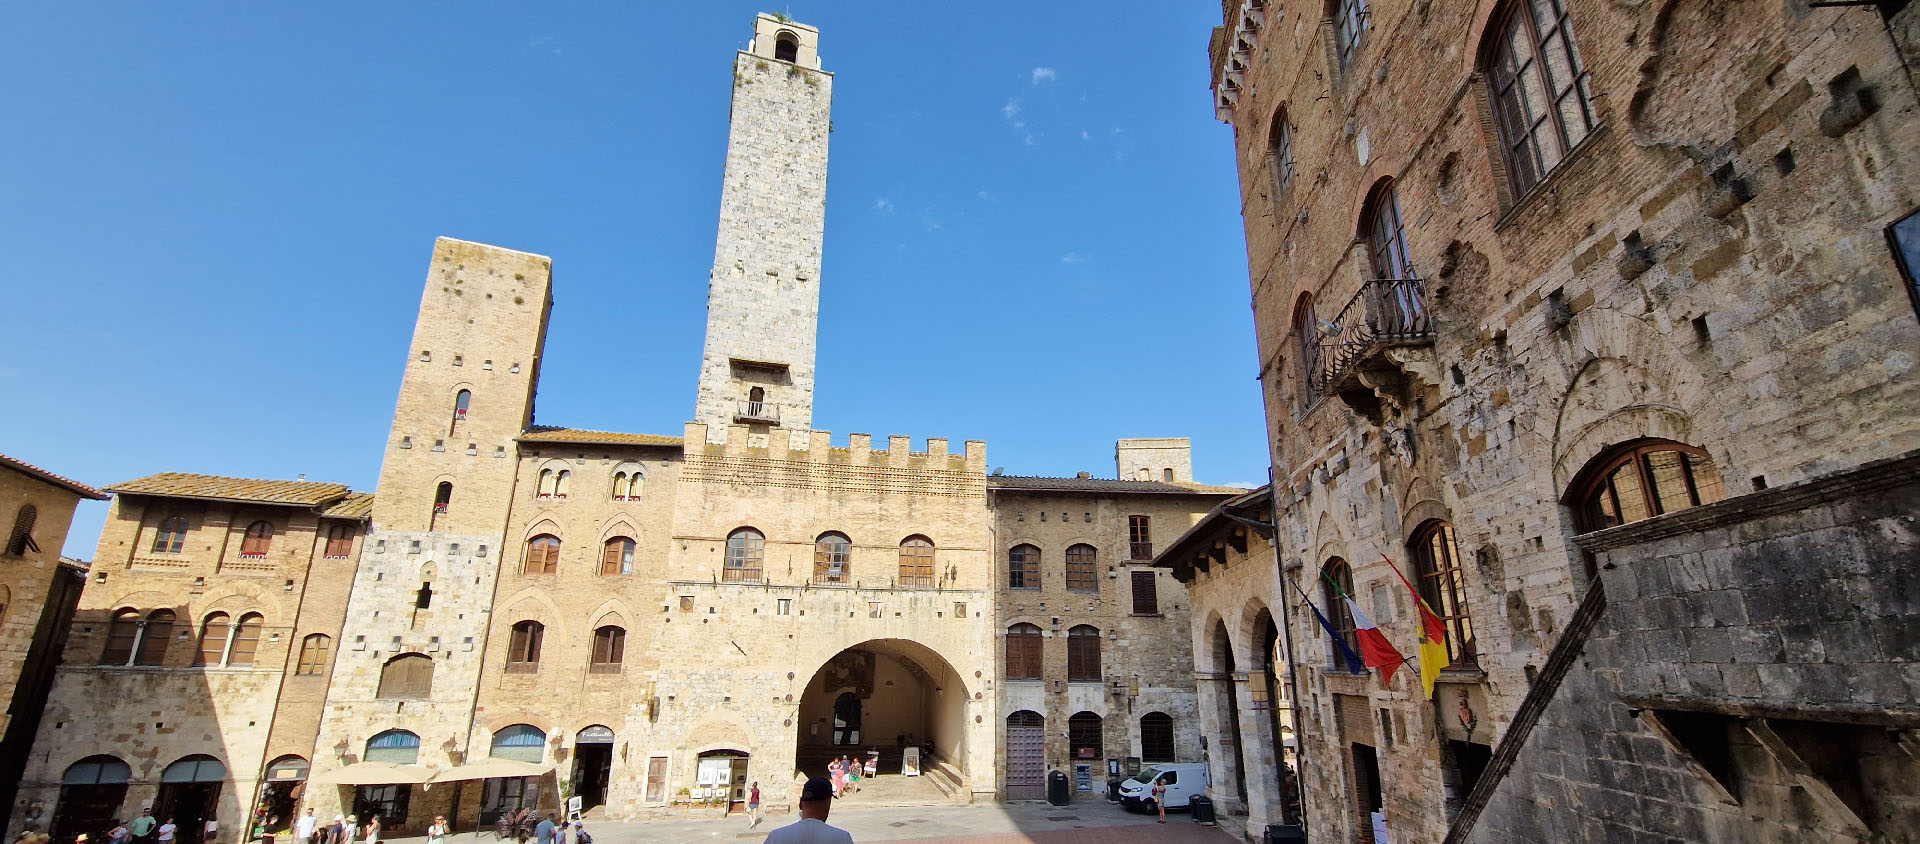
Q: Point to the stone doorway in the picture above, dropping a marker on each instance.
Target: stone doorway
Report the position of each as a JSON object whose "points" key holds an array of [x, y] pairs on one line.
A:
{"points": [[892, 700], [592, 765]]}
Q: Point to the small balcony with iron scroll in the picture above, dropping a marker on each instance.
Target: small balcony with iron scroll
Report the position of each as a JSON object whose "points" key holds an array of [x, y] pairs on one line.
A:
{"points": [[1375, 350]]}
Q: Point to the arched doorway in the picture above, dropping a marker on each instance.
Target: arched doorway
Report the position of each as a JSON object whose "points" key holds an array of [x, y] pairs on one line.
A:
{"points": [[722, 775], [893, 699], [1229, 694], [190, 794], [592, 765], [1279, 714], [286, 780], [90, 796], [1026, 756]]}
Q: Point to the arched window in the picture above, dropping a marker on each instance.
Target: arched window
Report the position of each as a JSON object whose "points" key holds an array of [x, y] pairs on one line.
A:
{"points": [[1023, 652], [246, 639], [1306, 332], [1386, 234], [1083, 654], [1349, 25], [154, 638], [560, 480], [1083, 568], [1643, 479], [407, 677], [523, 648], [442, 497], [545, 488], [172, 535], [746, 550], [1538, 89], [313, 654], [1280, 152], [123, 635], [1023, 567], [543, 554], [520, 742], [397, 747], [1443, 587], [340, 541], [627, 484], [195, 768], [20, 541], [617, 556], [259, 538], [460, 401], [1084, 736], [832, 558], [1166, 475], [609, 650], [91, 789], [1336, 573], [916, 563], [1156, 737], [786, 47], [214, 633]]}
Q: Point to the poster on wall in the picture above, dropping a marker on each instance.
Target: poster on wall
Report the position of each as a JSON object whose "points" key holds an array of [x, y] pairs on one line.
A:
{"points": [[910, 761], [714, 771]]}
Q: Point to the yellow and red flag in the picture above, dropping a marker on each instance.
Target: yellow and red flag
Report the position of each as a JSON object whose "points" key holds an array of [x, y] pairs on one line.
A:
{"points": [[1433, 635]]}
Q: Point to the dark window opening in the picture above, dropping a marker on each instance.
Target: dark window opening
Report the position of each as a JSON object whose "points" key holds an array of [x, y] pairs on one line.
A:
{"points": [[1084, 736], [786, 47], [1023, 567], [523, 650], [1156, 737], [1366, 784], [1140, 536]]}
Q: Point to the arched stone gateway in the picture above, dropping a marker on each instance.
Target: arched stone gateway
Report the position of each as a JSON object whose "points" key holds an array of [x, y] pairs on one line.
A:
{"points": [[896, 700]]}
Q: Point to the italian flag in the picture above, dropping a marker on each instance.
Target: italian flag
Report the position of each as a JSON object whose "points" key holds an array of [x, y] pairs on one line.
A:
{"points": [[1374, 646]]}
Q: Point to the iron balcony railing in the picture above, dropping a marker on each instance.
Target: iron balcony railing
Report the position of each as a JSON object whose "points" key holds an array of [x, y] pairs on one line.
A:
{"points": [[1386, 312], [757, 411]]}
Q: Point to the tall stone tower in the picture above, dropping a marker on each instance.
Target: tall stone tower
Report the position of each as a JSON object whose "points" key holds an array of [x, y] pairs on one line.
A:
{"points": [[417, 617], [763, 296]]}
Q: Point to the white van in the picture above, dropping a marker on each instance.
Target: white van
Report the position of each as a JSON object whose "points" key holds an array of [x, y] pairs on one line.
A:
{"points": [[1183, 780]]}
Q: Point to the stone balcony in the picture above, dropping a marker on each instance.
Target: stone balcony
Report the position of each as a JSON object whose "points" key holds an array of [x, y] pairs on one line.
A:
{"points": [[1370, 353], [757, 413]]}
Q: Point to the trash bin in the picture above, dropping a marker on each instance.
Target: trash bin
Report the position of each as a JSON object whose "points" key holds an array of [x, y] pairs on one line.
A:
{"points": [[1200, 807], [1057, 789], [1285, 833], [1113, 789]]}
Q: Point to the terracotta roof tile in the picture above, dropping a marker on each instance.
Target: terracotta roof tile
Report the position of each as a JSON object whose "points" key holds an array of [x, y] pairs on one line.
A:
{"points": [[543, 434], [185, 485], [1105, 485], [357, 505], [30, 469]]}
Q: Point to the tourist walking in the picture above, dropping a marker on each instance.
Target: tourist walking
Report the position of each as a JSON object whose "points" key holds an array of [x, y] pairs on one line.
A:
{"points": [[853, 773], [352, 830], [835, 778], [816, 801], [373, 829], [337, 831], [437, 833], [303, 827], [543, 832], [753, 805], [166, 832]]}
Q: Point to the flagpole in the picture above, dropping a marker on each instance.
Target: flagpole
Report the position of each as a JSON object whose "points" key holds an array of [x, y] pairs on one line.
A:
{"points": [[1293, 668]]}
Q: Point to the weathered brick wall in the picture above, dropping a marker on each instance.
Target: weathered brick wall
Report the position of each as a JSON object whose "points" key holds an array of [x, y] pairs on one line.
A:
{"points": [[26, 579], [763, 296], [1798, 603], [1708, 267]]}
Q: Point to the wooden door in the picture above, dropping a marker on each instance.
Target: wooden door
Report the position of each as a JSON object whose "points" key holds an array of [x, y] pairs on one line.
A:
{"points": [[1026, 756], [657, 779]]}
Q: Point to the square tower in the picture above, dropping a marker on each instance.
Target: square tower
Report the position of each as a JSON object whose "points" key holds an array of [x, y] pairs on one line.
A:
{"points": [[763, 295]]}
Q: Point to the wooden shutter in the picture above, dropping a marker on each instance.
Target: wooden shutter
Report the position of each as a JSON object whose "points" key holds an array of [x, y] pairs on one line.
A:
{"points": [[1083, 570], [657, 779], [246, 640], [1083, 654], [1146, 596], [159, 633], [213, 640], [122, 633]]}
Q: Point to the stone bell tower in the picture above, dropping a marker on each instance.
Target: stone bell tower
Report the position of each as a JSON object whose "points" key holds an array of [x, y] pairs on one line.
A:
{"points": [[763, 296]]}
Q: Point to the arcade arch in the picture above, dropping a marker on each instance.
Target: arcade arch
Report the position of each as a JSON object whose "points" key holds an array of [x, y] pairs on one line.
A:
{"points": [[891, 696]]}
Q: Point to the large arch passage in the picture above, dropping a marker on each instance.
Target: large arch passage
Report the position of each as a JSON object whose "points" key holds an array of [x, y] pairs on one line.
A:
{"points": [[893, 698]]}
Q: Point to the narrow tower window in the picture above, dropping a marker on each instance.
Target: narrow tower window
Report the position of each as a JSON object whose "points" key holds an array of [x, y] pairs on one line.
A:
{"points": [[786, 47], [460, 403]]}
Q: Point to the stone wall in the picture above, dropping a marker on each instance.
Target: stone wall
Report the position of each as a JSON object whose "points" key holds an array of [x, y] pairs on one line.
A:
{"points": [[1747, 680], [1708, 267]]}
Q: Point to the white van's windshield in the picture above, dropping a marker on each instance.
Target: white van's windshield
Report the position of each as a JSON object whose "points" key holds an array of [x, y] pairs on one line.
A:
{"points": [[1146, 775]]}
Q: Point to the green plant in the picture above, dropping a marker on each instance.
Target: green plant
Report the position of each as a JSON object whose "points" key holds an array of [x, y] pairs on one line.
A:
{"points": [[760, 65], [519, 300], [782, 17], [793, 70]]}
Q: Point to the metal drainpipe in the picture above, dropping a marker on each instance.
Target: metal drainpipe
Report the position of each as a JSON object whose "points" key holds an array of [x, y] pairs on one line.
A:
{"points": [[1293, 665]]}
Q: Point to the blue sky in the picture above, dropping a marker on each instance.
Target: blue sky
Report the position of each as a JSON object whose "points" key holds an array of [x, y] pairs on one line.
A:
{"points": [[218, 219]]}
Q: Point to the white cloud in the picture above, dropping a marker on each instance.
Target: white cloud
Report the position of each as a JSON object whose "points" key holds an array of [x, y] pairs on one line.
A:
{"points": [[1084, 136], [1043, 74], [883, 205], [1243, 485], [1075, 258], [1029, 141], [1010, 109], [987, 197]]}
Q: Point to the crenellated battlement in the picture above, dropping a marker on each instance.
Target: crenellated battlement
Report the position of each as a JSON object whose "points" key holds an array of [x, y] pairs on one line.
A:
{"points": [[817, 447]]}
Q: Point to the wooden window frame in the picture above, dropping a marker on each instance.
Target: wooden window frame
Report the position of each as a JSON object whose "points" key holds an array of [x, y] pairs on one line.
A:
{"points": [[1083, 654], [258, 540], [1140, 537], [124, 627], [1151, 604], [1083, 568], [156, 635], [917, 563], [746, 555], [1025, 649], [1280, 153], [1442, 581], [340, 541], [543, 555], [1349, 30], [523, 647], [1522, 151], [616, 556], [1023, 567], [216, 633], [1339, 571], [609, 649], [833, 558], [243, 646], [1595, 484], [407, 676], [1386, 231], [20, 541], [171, 536], [315, 649]]}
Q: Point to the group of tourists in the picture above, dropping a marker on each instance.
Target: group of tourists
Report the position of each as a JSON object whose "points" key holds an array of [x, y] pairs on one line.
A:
{"points": [[847, 773], [345, 829]]}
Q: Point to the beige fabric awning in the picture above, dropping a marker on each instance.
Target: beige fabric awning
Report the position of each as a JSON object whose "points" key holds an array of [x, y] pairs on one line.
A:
{"points": [[489, 768], [375, 773]]}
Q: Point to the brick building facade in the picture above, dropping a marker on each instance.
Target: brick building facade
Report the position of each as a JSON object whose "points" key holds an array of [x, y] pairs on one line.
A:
{"points": [[526, 613], [1553, 299]]}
